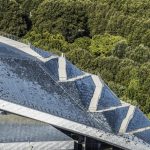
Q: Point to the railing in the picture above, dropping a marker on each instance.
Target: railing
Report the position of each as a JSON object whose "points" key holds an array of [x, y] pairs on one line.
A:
{"points": [[13, 37], [25, 41]]}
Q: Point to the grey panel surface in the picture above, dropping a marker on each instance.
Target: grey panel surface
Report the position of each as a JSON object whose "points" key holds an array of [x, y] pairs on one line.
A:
{"points": [[25, 83], [86, 88], [52, 66], [9, 51], [71, 89], [41, 52], [115, 117], [108, 99], [72, 71], [145, 135], [138, 121], [50, 145], [14, 128]]}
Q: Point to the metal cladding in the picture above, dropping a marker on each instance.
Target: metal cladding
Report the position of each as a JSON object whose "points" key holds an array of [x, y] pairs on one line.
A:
{"points": [[23, 133], [15, 128], [48, 88]]}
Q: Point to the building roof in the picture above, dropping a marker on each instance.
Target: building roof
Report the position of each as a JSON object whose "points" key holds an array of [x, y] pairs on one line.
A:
{"points": [[14, 128], [48, 88]]}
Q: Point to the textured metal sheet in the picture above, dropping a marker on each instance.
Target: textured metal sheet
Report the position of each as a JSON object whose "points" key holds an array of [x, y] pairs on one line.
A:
{"points": [[28, 88], [52, 145], [15, 128], [76, 127]]}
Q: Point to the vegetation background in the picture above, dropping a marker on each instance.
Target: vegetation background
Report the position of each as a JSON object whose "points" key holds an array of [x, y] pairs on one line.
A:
{"points": [[110, 38]]}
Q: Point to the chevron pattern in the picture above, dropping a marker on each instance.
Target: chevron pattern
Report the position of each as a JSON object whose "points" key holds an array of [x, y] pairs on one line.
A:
{"points": [[45, 83]]}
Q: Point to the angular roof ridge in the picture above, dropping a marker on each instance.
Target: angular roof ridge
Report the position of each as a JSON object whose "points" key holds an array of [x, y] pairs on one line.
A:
{"points": [[97, 133]]}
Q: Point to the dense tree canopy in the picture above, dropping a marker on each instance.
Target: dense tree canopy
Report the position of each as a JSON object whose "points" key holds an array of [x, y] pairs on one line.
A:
{"points": [[110, 38]]}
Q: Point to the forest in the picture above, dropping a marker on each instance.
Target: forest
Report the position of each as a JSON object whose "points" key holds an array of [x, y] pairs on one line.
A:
{"points": [[110, 38]]}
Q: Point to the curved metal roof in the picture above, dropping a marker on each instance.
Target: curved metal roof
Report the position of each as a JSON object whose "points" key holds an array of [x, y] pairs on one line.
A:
{"points": [[45, 87]]}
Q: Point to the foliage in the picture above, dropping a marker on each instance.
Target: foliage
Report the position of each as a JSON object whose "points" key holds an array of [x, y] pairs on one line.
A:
{"points": [[104, 44], [14, 21], [106, 37]]}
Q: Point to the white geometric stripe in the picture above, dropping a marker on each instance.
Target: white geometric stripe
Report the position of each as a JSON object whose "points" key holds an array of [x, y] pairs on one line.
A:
{"points": [[113, 108], [77, 78], [139, 130], [127, 119], [62, 68], [97, 93]]}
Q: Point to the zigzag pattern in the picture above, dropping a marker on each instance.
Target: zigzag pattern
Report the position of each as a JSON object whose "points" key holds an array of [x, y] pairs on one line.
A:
{"points": [[65, 96]]}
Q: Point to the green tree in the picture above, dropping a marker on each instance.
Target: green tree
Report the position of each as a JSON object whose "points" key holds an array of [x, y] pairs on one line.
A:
{"points": [[133, 88], [120, 49], [104, 44], [13, 19], [140, 54]]}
